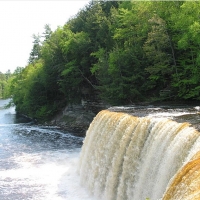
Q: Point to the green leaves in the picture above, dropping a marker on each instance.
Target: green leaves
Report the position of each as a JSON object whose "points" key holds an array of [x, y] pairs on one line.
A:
{"points": [[158, 52], [122, 52]]}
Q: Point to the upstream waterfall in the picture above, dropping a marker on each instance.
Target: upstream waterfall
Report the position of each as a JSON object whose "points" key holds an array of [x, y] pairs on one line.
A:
{"points": [[134, 158]]}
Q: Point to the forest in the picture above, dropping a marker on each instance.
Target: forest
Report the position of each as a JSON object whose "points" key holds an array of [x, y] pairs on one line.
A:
{"points": [[114, 52]]}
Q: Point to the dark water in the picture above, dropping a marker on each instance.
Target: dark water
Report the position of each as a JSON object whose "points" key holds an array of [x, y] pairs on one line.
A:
{"points": [[37, 162]]}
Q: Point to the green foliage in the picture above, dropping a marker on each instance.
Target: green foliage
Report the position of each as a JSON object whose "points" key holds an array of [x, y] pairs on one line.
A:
{"points": [[158, 53], [4, 84], [122, 52], [35, 53]]}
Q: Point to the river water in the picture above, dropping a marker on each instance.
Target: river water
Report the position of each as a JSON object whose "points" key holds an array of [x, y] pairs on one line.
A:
{"points": [[40, 162], [37, 162], [178, 112]]}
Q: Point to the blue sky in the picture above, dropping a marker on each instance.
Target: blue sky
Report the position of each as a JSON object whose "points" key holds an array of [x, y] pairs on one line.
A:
{"points": [[19, 20]]}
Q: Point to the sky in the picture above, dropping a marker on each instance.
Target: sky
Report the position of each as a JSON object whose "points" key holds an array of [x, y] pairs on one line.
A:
{"points": [[19, 20]]}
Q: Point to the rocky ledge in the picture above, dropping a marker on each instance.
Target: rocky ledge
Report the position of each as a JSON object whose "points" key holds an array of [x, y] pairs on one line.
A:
{"points": [[75, 119]]}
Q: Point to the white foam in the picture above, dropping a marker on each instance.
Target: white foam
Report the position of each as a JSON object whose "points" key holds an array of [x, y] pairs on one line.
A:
{"points": [[125, 157], [50, 176]]}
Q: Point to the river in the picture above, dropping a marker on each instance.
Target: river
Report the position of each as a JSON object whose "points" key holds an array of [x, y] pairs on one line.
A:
{"points": [[40, 162], [37, 162]]}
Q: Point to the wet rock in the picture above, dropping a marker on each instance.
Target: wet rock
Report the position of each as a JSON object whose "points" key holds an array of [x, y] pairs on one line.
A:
{"points": [[77, 118], [74, 119]]}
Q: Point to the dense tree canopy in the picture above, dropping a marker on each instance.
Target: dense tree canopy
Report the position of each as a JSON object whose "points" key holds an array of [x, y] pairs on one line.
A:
{"points": [[4, 84], [117, 52]]}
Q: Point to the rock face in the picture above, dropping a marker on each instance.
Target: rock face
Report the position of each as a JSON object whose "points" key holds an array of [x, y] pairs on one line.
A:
{"points": [[75, 119]]}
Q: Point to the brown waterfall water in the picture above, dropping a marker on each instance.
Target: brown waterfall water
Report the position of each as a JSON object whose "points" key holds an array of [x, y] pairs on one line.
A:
{"points": [[133, 158]]}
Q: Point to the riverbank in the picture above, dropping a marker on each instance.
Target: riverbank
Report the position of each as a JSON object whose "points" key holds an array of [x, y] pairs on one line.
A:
{"points": [[76, 118], [76, 121]]}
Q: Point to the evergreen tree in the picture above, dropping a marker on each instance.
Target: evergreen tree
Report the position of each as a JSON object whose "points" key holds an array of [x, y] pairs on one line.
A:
{"points": [[35, 53]]}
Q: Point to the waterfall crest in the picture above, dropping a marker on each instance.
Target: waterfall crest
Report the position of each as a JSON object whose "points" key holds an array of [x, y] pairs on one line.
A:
{"points": [[129, 158]]}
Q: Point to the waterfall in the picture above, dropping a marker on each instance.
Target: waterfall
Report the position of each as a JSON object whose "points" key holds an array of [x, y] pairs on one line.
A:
{"points": [[130, 158], [186, 182]]}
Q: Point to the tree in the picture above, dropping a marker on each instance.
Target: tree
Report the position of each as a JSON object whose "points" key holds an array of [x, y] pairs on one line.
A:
{"points": [[2, 84], [187, 43], [158, 53], [120, 69], [47, 32], [35, 52]]}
